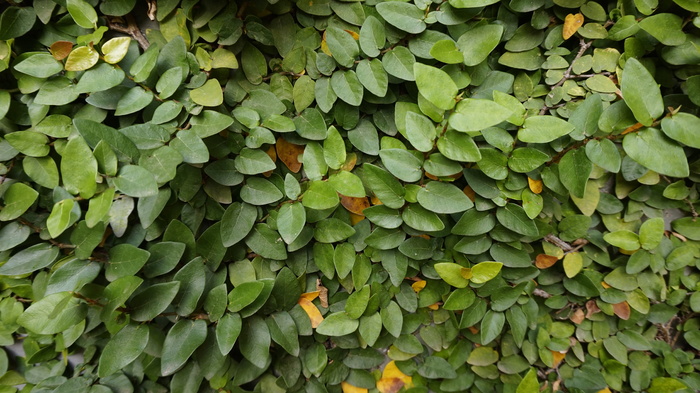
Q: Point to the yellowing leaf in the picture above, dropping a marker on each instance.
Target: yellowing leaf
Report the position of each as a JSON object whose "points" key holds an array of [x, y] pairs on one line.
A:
{"points": [[115, 49], [466, 273], [355, 218], [434, 306], [468, 191], [82, 58], [324, 46], [289, 153], [311, 310], [347, 388], [535, 185], [418, 285], [572, 22], [606, 390], [393, 379]]}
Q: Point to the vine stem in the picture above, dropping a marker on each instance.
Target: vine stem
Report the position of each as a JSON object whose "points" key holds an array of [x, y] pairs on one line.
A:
{"points": [[131, 28], [583, 47]]}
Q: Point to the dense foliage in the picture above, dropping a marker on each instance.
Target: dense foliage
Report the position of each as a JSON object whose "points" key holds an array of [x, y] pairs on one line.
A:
{"points": [[358, 196]]}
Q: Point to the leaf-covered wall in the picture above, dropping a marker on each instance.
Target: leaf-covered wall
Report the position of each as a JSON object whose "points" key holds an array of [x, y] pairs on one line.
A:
{"points": [[349, 196]]}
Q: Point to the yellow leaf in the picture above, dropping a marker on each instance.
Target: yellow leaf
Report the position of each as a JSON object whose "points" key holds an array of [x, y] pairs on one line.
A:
{"points": [[82, 58], [353, 34], [115, 49], [309, 295], [355, 218], [393, 379], [418, 285], [434, 306], [558, 357], [347, 388], [606, 390], [466, 273], [324, 46], [311, 310], [535, 185], [572, 22]]}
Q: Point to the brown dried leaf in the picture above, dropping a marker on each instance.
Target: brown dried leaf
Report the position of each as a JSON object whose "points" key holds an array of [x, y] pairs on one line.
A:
{"points": [[322, 293], [578, 316], [354, 205], [544, 261], [622, 310], [289, 153]]}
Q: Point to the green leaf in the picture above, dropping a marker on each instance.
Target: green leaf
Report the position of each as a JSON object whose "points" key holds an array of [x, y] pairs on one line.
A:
{"points": [[574, 170], [29, 260], [334, 149], [136, 181], [100, 78], [624, 239], [420, 131], [605, 154], [458, 146], [180, 343], [476, 44], [529, 383], [244, 294], [443, 198], [342, 45], [491, 326], [514, 218], [666, 385], [651, 233], [332, 230], [16, 21], [320, 196], [82, 13], [452, 274], [641, 92], [253, 162], [373, 77], [133, 101], [385, 186], [258, 191], [421, 219], [399, 62], [227, 331], [485, 271], [357, 302], [125, 260], [543, 129], [434, 84], [39, 65], [372, 36], [682, 128], [403, 16], [655, 151], [476, 114], [348, 184], [153, 300], [60, 217], [447, 52], [337, 324], [402, 164], [284, 332], [471, 4], [347, 86], [290, 221], [665, 27], [123, 349], [18, 198], [53, 314], [95, 132], [434, 367], [266, 243], [210, 94]]}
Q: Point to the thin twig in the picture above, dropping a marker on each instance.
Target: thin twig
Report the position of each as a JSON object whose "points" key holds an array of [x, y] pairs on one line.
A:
{"points": [[567, 74]]}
